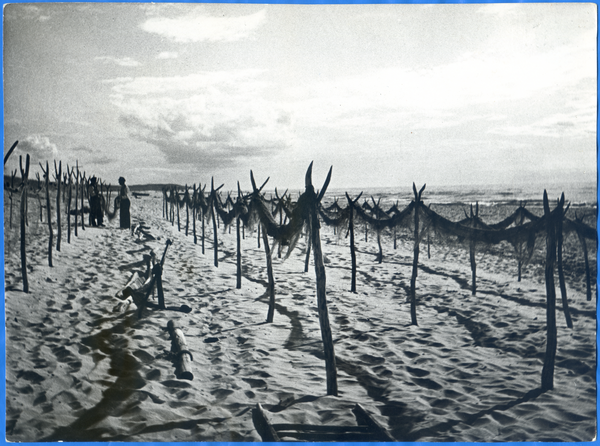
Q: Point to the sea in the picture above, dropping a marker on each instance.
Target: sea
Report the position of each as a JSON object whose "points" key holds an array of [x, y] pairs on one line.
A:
{"points": [[577, 194]]}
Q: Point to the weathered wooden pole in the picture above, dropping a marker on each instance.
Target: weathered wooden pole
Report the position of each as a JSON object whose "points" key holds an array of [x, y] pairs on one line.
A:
{"points": [[58, 176], [83, 182], [194, 213], [213, 197], [186, 197], [551, 342], [351, 204], [48, 211], [203, 228], [39, 198], [24, 179], [238, 282], [559, 263], [69, 199], [76, 196], [270, 278], [313, 203], [378, 230], [184, 356], [415, 266], [472, 250], [178, 216]]}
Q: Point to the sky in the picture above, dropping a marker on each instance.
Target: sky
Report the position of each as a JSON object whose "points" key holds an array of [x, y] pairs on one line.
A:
{"points": [[443, 94]]}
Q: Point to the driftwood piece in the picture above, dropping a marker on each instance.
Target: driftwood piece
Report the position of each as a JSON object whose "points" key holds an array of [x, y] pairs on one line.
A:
{"points": [[363, 418], [263, 426], [179, 347], [367, 430]]}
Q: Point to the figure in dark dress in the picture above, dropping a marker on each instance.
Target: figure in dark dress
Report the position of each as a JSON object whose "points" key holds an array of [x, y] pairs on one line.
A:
{"points": [[124, 205]]}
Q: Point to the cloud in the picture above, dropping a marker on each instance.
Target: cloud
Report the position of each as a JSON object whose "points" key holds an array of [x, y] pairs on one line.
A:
{"points": [[123, 61], [167, 55], [195, 27], [209, 118], [27, 12], [39, 148]]}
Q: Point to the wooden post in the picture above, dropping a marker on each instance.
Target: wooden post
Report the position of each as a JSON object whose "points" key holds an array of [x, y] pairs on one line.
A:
{"points": [[24, 179], [48, 211], [58, 176], [328, 349], [76, 196], [194, 213], [559, 263], [82, 203], [271, 285], [213, 197], [415, 266], [472, 249], [352, 247], [177, 205], [186, 197], [238, 283], [548, 369], [351, 204], [180, 348], [69, 198], [39, 199], [376, 209]]}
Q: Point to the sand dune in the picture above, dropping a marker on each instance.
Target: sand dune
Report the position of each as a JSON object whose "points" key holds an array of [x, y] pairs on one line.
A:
{"points": [[81, 366]]}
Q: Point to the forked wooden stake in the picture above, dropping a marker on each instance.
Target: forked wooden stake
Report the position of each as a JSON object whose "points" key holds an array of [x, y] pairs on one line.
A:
{"points": [[415, 267], [313, 203], [46, 173], [551, 342], [351, 204]]}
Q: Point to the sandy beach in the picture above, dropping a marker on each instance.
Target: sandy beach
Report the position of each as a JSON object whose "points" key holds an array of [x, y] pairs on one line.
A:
{"points": [[82, 366]]}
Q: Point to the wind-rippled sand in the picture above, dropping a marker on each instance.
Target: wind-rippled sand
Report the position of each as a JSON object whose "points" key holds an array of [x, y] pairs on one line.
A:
{"points": [[79, 368]]}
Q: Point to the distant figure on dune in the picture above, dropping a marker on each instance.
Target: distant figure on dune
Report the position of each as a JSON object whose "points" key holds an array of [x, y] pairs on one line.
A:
{"points": [[96, 204], [124, 204]]}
